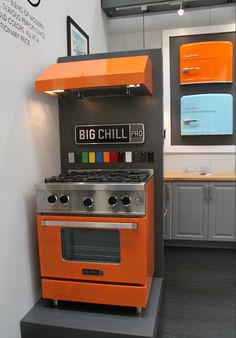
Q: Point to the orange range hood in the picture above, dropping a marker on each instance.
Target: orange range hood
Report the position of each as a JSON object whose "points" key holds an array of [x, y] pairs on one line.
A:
{"points": [[100, 77]]}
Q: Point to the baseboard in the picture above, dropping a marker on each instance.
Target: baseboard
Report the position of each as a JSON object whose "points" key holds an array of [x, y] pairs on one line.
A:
{"points": [[200, 244]]}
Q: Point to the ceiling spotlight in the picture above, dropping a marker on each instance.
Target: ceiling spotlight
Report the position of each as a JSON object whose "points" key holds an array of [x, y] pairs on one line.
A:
{"points": [[180, 12]]}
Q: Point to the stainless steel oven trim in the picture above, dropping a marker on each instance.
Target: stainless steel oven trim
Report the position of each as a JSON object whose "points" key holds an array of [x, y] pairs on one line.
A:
{"points": [[139, 186], [91, 225], [53, 212]]}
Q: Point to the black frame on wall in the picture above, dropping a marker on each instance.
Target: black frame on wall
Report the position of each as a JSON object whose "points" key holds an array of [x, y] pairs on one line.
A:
{"points": [[177, 91], [70, 23]]}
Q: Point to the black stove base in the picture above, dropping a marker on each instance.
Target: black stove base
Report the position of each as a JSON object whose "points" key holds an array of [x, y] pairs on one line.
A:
{"points": [[77, 320]]}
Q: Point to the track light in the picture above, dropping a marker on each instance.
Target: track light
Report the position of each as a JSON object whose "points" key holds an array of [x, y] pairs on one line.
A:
{"points": [[180, 12]]}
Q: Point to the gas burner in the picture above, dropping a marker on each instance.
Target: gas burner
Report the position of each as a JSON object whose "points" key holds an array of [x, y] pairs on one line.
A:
{"points": [[101, 176]]}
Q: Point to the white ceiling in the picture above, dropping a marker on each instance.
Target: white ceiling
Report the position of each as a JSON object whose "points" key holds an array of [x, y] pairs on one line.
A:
{"points": [[158, 22]]}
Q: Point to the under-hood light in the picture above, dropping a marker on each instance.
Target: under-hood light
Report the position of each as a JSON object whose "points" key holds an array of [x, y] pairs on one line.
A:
{"points": [[133, 86], [54, 92]]}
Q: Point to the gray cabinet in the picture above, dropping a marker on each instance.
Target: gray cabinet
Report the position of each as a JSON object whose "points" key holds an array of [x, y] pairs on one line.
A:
{"points": [[203, 211], [222, 214], [167, 209], [190, 210]]}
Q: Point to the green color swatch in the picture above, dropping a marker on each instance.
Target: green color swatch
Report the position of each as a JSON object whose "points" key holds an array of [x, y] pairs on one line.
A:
{"points": [[84, 157]]}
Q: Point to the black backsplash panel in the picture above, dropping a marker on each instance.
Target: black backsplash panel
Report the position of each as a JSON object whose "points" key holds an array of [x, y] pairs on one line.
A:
{"points": [[178, 91], [117, 110]]}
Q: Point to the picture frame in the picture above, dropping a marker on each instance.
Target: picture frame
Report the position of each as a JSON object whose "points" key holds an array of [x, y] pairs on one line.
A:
{"points": [[77, 39]]}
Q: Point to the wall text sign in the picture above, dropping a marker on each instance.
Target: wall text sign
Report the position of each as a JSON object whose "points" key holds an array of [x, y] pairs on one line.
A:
{"points": [[34, 3], [110, 134], [17, 21]]}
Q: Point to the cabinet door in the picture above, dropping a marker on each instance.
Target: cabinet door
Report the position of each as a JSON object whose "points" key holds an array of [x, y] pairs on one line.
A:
{"points": [[190, 210], [167, 209], [210, 61], [222, 220]]}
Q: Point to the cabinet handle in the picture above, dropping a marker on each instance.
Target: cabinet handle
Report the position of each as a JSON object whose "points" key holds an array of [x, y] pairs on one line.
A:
{"points": [[190, 56], [188, 122], [167, 193], [205, 193], [188, 69], [210, 194], [91, 225]]}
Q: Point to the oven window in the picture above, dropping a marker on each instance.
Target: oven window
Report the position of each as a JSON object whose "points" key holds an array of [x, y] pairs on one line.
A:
{"points": [[91, 245]]}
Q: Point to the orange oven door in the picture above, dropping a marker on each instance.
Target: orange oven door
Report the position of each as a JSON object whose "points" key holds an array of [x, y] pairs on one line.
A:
{"points": [[206, 62], [94, 248]]}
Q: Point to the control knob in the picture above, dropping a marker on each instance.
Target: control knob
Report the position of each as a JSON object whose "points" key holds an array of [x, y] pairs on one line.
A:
{"points": [[88, 202], [112, 200], [64, 199], [126, 200], [52, 199]]}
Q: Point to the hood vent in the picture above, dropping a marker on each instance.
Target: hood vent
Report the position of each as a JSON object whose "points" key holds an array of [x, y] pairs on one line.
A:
{"points": [[98, 78]]}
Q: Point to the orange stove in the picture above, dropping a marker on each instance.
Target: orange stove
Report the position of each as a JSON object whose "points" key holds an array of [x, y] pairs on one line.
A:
{"points": [[206, 62], [96, 237]]}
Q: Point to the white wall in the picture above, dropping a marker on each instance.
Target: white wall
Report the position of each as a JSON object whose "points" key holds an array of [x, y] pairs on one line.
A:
{"points": [[29, 145], [126, 33]]}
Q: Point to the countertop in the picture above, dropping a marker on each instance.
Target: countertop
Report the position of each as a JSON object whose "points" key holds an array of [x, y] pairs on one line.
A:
{"points": [[172, 176]]}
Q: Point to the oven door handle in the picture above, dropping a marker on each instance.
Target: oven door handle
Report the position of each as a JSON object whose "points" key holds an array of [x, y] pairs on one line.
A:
{"points": [[91, 225]]}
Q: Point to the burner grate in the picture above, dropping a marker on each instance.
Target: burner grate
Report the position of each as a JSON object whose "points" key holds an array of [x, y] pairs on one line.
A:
{"points": [[101, 176]]}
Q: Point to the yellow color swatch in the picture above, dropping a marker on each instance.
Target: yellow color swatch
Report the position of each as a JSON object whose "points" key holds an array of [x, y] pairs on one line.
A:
{"points": [[92, 157]]}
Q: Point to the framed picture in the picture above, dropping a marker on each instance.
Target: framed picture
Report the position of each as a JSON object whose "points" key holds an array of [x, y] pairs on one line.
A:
{"points": [[77, 39]]}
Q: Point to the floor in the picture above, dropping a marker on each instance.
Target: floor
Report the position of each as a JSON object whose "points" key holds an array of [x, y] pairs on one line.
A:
{"points": [[199, 298]]}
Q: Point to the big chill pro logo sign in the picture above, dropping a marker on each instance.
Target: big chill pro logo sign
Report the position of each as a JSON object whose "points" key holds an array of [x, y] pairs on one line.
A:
{"points": [[110, 134], [34, 3]]}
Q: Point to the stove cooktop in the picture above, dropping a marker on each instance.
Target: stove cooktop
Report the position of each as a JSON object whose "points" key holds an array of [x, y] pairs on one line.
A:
{"points": [[95, 192], [104, 176]]}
